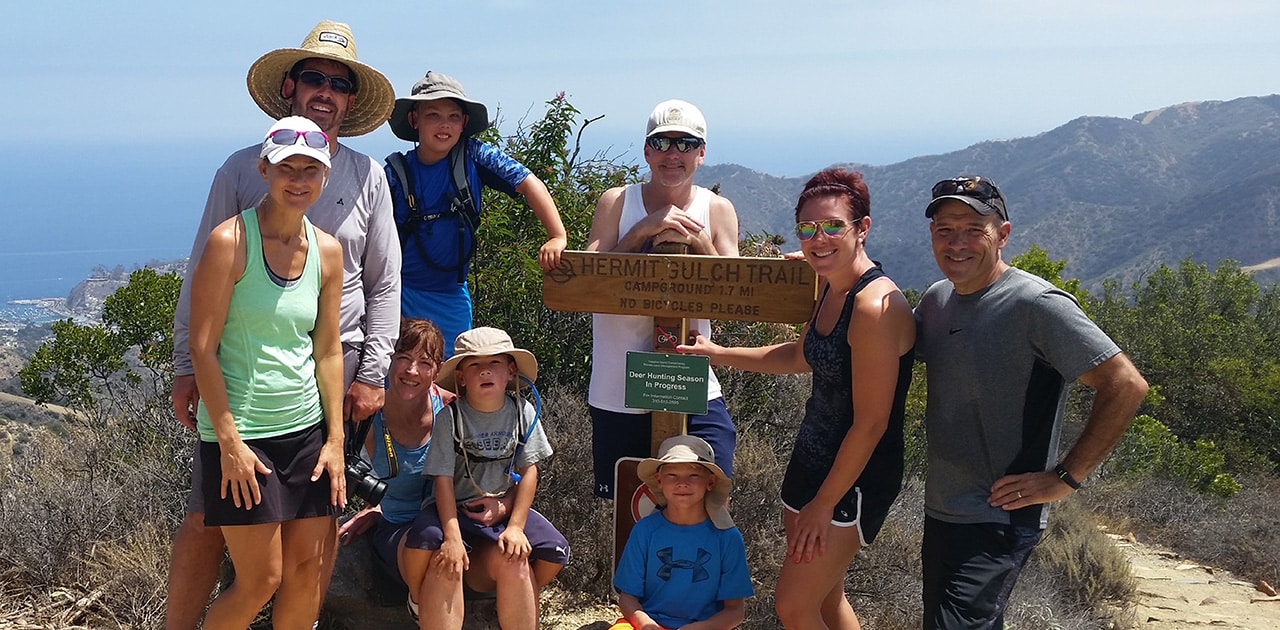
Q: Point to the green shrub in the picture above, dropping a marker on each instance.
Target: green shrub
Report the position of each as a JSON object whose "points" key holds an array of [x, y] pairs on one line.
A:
{"points": [[1151, 449]]}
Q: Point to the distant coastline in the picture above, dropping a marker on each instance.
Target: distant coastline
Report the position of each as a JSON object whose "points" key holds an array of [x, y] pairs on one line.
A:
{"points": [[83, 301]]}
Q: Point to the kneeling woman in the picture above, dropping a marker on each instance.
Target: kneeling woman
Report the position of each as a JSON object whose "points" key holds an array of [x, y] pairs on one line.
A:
{"points": [[268, 364]]}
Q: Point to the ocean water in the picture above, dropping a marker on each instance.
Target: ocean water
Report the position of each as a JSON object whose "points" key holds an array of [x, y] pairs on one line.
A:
{"points": [[53, 273], [111, 205]]}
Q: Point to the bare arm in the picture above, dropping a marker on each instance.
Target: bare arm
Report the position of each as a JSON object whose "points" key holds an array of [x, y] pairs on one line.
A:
{"points": [[630, 606], [544, 207], [1120, 389], [451, 558], [881, 331], [213, 282], [731, 616], [326, 342], [604, 223], [513, 541], [724, 227], [781, 358]]}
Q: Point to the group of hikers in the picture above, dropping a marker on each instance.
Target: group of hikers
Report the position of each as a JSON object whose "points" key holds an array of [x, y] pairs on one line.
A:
{"points": [[326, 290]]}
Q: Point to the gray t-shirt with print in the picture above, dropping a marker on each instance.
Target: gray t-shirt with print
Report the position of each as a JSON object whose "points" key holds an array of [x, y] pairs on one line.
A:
{"points": [[490, 441]]}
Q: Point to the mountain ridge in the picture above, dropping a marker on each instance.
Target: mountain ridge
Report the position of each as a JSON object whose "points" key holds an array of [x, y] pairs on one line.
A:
{"points": [[1115, 197]]}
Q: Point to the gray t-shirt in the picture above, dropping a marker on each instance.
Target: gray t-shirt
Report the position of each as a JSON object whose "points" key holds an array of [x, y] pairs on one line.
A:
{"points": [[490, 441], [1000, 362], [355, 208]]}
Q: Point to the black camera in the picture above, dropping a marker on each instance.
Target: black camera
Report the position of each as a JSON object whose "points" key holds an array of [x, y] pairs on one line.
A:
{"points": [[361, 480]]}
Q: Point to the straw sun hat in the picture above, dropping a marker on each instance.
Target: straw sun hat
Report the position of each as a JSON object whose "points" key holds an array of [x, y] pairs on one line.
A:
{"points": [[328, 40]]}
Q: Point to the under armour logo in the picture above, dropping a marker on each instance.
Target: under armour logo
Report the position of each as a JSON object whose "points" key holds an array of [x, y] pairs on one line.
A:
{"points": [[340, 201], [697, 566]]}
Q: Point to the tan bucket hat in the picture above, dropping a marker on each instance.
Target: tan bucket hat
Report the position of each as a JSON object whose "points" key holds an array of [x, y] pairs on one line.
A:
{"points": [[328, 40], [486, 342], [690, 449]]}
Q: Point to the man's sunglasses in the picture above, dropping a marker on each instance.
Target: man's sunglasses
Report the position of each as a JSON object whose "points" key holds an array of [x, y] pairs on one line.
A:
{"points": [[315, 78], [833, 228], [663, 144], [313, 139], [975, 187]]}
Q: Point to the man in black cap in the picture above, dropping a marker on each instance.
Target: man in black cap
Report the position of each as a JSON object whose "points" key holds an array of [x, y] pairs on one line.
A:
{"points": [[1002, 347]]}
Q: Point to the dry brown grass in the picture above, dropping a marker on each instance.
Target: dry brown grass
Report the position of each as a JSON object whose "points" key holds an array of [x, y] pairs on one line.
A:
{"points": [[1239, 534], [85, 516]]}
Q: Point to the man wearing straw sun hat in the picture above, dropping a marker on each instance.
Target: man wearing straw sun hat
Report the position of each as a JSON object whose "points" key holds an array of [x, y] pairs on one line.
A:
{"points": [[324, 81]]}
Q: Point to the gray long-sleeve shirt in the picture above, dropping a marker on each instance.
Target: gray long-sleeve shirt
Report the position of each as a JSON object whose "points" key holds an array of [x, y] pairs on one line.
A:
{"points": [[356, 209]]}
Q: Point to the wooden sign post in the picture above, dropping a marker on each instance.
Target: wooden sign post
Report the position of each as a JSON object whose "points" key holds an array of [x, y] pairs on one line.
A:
{"points": [[673, 288]]}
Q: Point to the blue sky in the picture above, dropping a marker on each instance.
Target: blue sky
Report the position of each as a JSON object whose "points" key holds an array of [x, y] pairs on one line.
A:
{"points": [[788, 87], [117, 114]]}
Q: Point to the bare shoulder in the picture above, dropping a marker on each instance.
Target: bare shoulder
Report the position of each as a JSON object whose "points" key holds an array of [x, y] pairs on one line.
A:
{"points": [[722, 205], [329, 246], [611, 198], [881, 303], [227, 234]]}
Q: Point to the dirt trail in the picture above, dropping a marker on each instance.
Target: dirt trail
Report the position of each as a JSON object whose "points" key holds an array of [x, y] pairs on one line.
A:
{"points": [[1174, 593]]}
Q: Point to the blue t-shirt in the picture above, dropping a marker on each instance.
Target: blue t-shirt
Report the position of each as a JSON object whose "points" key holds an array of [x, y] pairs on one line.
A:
{"points": [[408, 490], [683, 573], [437, 254]]}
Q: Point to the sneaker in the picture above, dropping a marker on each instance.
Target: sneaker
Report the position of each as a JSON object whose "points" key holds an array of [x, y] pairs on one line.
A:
{"points": [[413, 608]]}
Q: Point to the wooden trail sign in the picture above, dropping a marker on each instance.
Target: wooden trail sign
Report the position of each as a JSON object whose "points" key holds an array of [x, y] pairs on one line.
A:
{"points": [[682, 286], [674, 288]]}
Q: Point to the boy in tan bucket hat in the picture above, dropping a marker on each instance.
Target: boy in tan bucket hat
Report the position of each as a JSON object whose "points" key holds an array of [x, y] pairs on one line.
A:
{"points": [[323, 81], [685, 564]]}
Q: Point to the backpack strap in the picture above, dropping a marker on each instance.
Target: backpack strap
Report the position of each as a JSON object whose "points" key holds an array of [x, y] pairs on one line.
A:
{"points": [[405, 176], [461, 201]]}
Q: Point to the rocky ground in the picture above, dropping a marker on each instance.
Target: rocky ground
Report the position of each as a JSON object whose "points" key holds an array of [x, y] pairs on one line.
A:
{"points": [[1176, 594]]}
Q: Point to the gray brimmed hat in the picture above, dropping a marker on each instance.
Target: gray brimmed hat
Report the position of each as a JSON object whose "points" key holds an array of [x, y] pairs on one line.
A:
{"points": [[690, 449], [333, 41], [486, 342], [434, 86]]}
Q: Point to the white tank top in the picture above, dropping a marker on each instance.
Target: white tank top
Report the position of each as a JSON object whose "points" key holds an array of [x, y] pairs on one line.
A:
{"points": [[612, 336]]}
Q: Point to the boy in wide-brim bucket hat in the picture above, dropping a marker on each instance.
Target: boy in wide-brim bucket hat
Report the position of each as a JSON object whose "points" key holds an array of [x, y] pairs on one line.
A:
{"points": [[686, 563], [374, 96], [437, 85], [436, 187]]}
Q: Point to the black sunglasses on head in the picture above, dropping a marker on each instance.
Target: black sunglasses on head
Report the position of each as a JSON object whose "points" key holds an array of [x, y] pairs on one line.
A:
{"points": [[663, 144], [976, 187], [315, 78]]}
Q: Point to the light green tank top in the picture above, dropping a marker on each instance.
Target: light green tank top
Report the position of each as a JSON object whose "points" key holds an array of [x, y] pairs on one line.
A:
{"points": [[266, 347]]}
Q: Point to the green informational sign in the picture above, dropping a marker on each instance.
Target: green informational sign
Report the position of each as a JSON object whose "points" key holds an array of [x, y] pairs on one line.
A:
{"points": [[667, 382]]}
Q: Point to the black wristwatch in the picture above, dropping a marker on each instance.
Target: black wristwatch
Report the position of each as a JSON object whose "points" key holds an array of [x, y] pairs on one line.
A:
{"points": [[1065, 475]]}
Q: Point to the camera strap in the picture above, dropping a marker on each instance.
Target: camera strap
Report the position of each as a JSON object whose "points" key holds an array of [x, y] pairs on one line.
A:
{"points": [[393, 462]]}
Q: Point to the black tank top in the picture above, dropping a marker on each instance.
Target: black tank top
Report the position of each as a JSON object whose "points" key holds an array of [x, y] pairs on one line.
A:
{"points": [[829, 410]]}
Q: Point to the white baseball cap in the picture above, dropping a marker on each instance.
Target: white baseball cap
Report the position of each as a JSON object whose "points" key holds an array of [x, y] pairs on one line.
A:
{"points": [[295, 135]]}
